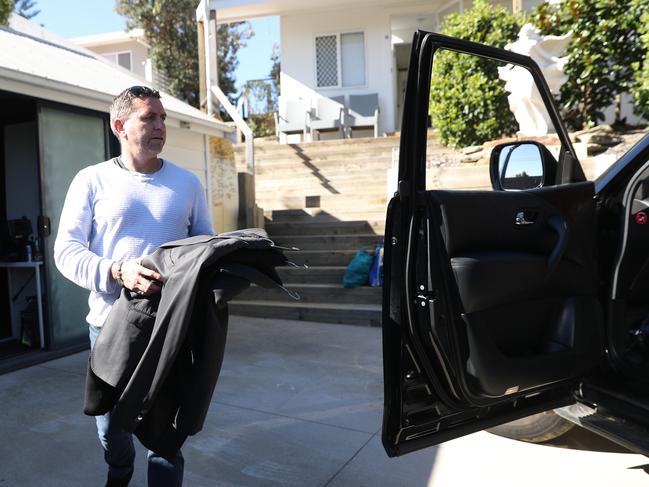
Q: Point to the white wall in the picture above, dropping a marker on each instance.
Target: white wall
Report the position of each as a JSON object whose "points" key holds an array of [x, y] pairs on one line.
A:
{"points": [[298, 56], [190, 150], [627, 112], [187, 149]]}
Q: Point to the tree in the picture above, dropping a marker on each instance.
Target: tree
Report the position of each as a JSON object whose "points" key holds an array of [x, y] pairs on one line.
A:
{"points": [[24, 8], [275, 69], [603, 52], [6, 7], [640, 87], [229, 39], [170, 30], [262, 96], [264, 93], [466, 92]]}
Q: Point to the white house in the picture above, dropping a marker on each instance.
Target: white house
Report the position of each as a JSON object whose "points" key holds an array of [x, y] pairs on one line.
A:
{"points": [[54, 121], [344, 47], [128, 49]]}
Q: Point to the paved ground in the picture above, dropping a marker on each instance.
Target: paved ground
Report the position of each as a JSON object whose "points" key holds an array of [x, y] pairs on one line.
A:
{"points": [[297, 404]]}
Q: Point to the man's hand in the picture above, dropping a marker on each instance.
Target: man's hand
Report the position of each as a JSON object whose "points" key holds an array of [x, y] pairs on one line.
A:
{"points": [[138, 278]]}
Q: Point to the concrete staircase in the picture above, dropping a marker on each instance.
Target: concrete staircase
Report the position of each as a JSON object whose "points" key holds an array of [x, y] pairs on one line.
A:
{"points": [[329, 200]]}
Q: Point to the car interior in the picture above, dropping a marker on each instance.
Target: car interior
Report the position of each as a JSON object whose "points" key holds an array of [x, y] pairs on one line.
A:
{"points": [[629, 322]]}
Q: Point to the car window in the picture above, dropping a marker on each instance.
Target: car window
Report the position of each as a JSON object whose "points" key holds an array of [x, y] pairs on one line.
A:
{"points": [[476, 104]]}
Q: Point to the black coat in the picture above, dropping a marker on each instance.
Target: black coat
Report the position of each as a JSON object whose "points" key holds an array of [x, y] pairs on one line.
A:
{"points": [[157, 359]]}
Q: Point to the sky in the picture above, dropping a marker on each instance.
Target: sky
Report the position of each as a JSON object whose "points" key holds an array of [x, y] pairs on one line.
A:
{"points": [[74, 18]]}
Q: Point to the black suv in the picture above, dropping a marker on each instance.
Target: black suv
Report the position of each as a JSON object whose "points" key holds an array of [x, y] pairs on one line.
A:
{"points": [[500, 304]]}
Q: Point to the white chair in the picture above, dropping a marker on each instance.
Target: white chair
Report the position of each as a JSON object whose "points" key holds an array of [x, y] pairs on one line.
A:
{"points": [[329, 116], [294, 121], [363, 113]]}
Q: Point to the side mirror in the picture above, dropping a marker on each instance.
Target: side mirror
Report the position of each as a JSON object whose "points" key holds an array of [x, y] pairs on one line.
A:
{"points": [[521, 165]]}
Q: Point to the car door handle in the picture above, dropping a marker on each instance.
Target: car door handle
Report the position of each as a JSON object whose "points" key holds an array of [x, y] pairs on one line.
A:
{"points": [[557, 224], [522, 219]]}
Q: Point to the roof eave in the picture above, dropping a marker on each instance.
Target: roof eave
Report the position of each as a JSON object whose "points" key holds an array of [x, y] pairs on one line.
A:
{"points": [[44, 88]]}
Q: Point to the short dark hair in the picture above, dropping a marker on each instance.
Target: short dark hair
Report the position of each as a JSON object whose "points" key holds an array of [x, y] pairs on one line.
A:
{"points": [[122, 105]]}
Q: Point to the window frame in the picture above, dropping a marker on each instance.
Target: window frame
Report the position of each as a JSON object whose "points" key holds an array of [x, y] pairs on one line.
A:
{"points": [[115, 55], [339, 81]]}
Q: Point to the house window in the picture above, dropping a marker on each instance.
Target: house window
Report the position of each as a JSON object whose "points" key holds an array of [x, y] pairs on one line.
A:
{"points": [[340, 60], [326, 59], [121, 58], [124, 60], [352, 59]]}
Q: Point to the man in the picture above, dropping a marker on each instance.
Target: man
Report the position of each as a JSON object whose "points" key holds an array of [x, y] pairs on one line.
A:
{"points": [[116, 212]]}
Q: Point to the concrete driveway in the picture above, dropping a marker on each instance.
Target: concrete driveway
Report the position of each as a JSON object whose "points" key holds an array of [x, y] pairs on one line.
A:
{"points": [[297, 404]]}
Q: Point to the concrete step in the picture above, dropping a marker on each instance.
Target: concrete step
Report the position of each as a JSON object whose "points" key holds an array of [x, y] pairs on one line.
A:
{"points": [[329, 242], [365, 192], [314, 186], [324, 146], [336, 176], [315, 293], [313, 258], [342, 180], [325, 228], [268, 145], [320, 145], [317, 148], [360, 212], [330, 201], [322, 155], [361, 162], [308, 275], [360, 159], [350, 314]]}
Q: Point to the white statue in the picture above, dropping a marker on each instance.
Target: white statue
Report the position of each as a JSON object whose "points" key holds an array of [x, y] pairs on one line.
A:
{"points": [[524, 99]]}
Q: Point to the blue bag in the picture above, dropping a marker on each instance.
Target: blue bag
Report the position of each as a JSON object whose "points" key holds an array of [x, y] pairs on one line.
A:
{"points": [[358, 270], [376, 271]]}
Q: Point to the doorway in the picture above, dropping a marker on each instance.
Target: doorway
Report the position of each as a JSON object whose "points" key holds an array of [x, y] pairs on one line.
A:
{"points": [[42, 147], [20, 247]]}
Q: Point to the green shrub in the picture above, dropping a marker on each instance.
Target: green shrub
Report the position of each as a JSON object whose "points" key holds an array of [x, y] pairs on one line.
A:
{"points": [[640, 87], [262, 124], [466, 93], [605, 53]]}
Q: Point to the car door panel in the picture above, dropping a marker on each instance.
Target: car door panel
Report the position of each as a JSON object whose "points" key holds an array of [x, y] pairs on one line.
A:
{"points": [[423, 401], [515, 306], [490, 306], [491, 255], [493, 329]]}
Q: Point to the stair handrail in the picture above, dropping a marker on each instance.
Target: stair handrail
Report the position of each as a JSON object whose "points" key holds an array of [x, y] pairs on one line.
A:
{"points": [[241, 124]]}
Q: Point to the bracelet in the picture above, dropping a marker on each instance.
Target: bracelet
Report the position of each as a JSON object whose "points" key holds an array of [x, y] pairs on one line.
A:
{"points": [[118, 278]]}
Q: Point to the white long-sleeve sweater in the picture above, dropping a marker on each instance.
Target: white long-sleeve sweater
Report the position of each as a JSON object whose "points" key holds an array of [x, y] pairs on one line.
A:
{"points": [[111, 214]]}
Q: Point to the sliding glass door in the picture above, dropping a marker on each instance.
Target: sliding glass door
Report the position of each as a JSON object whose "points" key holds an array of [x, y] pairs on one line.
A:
{"points": [[69, 141]]}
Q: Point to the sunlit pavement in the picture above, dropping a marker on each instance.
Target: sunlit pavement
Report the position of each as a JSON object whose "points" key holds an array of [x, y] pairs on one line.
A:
{"points": [[297, 404]]}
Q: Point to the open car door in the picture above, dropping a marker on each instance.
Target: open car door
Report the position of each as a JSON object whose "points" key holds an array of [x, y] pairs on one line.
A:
{"points": [[490, 306]]}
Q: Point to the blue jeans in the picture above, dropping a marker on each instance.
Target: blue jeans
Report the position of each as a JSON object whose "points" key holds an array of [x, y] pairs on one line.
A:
{"points": [[119, 451]]}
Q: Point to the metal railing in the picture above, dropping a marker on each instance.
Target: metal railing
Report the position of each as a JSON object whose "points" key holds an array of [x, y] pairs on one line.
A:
{"points": [[241, 125]]}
